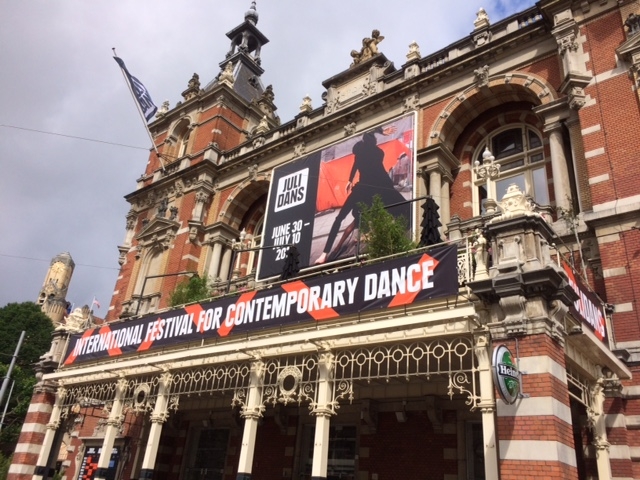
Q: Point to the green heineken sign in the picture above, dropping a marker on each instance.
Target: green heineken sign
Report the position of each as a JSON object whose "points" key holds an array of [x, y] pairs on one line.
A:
{"points": [[506, 374]]}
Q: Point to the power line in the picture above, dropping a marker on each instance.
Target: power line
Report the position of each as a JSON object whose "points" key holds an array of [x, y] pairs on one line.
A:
{"points": [[43, 260], [74, 137]]}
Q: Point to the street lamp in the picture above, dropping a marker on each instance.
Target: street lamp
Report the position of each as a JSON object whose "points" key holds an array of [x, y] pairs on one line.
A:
{"points": [[488, 170]]}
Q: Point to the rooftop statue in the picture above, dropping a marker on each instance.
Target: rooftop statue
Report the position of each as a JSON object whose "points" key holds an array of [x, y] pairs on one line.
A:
{"points": [[74, 322], [369, 48]]}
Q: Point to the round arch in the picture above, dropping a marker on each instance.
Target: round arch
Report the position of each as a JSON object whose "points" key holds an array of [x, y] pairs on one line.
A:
{"points": [[243, 198], [472, 102]]}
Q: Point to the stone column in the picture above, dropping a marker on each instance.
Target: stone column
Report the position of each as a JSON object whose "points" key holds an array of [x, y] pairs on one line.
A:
{"points": [[216, 256], [49, 436], [226, 263], [251, 412], [579, 163], [158, 417], [487, 406], [445, 206], [600, 442], [114, 422], [323, 411], [435, 186], [561, 185]]}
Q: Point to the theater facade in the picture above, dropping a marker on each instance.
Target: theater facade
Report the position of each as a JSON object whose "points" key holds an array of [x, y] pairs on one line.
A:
{"points": [[504, 346]]}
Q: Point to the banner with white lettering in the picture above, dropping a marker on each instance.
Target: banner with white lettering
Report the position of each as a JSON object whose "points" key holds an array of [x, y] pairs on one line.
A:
{"points": [[389, 284], [588, 308], [315, 200]]}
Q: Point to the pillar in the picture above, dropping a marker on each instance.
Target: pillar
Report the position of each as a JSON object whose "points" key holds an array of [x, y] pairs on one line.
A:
{"points": [[52, 427], [445, 205], [114, 422], [251, 412], [435, 186], [226, 263], [158, 417], [216, 254], [323, 411], [600, 441], [561, 185], [487, 406]]}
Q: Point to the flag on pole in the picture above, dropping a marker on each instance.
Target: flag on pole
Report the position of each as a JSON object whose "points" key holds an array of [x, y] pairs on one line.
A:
{"points": [[140, 93], [95, 302]]}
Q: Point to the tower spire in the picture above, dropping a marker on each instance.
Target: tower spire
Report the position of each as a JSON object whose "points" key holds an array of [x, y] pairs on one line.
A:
{"points": [[252, 14]]}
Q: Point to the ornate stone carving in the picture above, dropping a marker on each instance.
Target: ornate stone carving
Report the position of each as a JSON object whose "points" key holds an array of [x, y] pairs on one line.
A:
{"points": [[162, 208], [226, 76], [514, 204], [577, 98], [257, 142], [567, 43], [193, 88], [481, 256], [632, 23], [253, 172], [369, 48], [263, 126], [482, 38], [75, 322], [299, 150], [411, 103], [482, 76], [414, 52], [350, 129], [515, 316], [164, 108], [306, 106], [611, 383], [557, 312], [482, 19]]}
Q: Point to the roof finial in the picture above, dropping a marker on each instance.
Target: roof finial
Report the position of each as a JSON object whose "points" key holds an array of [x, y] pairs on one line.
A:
{"points": [[252, 14]]}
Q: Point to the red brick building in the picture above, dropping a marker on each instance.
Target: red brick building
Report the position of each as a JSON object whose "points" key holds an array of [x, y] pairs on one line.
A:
{"points": [[507, 350]]}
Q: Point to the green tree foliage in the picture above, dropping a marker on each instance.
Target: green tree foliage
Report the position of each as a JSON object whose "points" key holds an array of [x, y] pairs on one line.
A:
{"points": [[191, 290], [384, 234], [5, 463], [27, 316], [14, 318]]}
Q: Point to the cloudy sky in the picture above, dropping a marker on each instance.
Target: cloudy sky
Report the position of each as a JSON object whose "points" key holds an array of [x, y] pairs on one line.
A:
{"points": [[65, 194]]}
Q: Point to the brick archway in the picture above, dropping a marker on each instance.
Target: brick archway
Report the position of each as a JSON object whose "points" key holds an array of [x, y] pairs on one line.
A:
{"points": [[475, 100]]}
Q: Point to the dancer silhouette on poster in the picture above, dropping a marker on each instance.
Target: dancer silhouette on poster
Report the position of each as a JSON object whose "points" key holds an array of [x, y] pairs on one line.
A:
{"points": [[374, 180]]}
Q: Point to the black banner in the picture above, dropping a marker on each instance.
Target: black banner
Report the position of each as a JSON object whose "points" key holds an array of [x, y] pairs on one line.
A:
{"points": [[389, 284], [314, 201]]}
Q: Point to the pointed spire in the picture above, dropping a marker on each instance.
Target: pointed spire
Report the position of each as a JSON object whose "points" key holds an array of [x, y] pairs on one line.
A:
{"points": [[252, 14]]}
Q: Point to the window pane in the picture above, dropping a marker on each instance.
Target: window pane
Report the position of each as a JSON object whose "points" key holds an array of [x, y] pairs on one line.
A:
{"points": [[511, 165], [536, 158], [482, 197], [534, 140], [342, 452], [502, 185], [210, 455], [507, 143], [540, 186]]}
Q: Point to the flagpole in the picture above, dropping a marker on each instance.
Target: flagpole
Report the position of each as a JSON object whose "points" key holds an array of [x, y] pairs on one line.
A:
{"points": [[144, 120]]}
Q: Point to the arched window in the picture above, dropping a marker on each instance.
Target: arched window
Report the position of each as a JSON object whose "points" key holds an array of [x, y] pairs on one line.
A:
{"points": [[184, 143], [179, 139], [519, 150], [256, 241], [147, 290]]}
